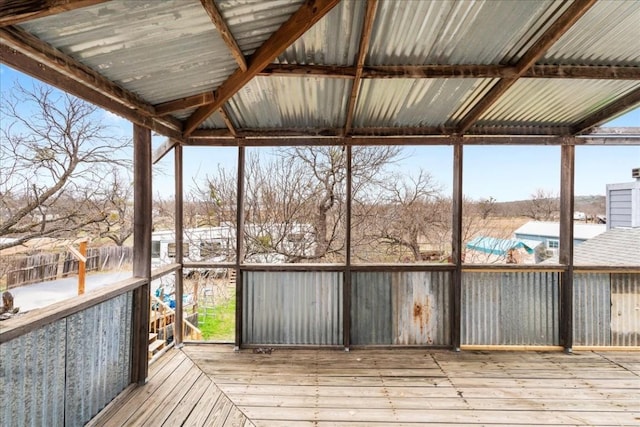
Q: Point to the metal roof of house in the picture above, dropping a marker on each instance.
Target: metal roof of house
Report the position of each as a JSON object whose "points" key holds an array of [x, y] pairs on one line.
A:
{"points": [[495, 246], [205, 70], [552, 229]]}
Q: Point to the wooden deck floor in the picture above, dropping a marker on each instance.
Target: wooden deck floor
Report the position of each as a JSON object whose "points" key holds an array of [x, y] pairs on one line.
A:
{"points": [[383, 387]]}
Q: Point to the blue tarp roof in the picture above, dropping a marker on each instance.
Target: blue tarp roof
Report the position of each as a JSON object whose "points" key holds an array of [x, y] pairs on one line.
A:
{"points": [[495, 246]]}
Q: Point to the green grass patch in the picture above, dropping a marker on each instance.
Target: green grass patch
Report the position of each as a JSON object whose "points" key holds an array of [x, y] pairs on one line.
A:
{"points": [[219, 323]]}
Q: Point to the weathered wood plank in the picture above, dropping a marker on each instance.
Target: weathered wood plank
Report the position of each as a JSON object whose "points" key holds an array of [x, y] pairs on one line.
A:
{"points": [[204, 407]]}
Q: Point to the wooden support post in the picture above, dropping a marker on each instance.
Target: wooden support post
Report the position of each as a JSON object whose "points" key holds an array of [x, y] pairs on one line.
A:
{"points": [[565, 255], [239, 246], [456, 247], [178, 335], [346, 286], [82, 267], [141, 251]]}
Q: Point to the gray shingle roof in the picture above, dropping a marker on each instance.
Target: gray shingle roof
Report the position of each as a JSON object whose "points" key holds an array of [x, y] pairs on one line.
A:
{"points": [[618, 246]]}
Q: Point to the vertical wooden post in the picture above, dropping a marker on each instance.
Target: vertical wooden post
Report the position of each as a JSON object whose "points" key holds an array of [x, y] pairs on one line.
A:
{"points": [[565, 255], [346, 286], [239, 246], [179, 228], [456, 247], [82, 268], [142, 214]]}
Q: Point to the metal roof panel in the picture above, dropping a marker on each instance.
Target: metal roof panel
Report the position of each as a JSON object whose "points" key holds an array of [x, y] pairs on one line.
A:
{"points": [[413, 102], [457, 32], [290, 102], [554, 102], [608, 34]]}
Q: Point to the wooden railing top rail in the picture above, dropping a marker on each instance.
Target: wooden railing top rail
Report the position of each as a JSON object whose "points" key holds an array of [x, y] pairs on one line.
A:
{"points": [[164, 270], [513, 268], [13, 328]]}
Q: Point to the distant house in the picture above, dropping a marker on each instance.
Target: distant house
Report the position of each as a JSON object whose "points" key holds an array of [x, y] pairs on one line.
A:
{"points": [[549, 233], [618, 246], [485, 249]]}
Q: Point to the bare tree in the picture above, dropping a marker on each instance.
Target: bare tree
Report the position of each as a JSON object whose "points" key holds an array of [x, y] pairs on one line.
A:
{"points": [[117, 193], [544, 205], [54, 150], [408, 215]]}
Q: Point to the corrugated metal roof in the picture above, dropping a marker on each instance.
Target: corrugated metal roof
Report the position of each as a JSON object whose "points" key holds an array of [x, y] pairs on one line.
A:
{"points": [[290, 102], [252, 22], [552, 229], [214, 121], [158, 50], [334, 40], [456, 32], [413, 102], [593, 40], [496, 246], [548, 101]]}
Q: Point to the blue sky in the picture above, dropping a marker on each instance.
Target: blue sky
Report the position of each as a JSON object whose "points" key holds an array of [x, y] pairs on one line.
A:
{"points": [[502, 172]]}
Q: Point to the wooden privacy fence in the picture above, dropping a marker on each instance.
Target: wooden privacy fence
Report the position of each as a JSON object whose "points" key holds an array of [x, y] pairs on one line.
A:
{"points": [[23, 270]]}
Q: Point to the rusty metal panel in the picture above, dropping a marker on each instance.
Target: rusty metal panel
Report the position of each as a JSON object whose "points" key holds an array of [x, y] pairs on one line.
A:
{"points": [[592, 309], [520, 308], [400, 308], [421, 304], [32, 378], [98, 357], [297, 308], [371, 316], [625, 309]]}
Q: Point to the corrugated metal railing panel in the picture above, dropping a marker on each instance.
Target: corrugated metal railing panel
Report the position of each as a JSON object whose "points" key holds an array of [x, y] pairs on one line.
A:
{"points": [[371, 317], [297, 308], [98, 357], [400, 308], [520, 308], [32, 378], [625, 309], [591, 309], [64, 373]]}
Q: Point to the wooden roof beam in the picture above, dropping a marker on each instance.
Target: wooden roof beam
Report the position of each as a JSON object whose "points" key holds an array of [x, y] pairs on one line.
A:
{"points": [[54, 77], [570, 16], [303, 19], [623, 104], [18, 11], [365, 37], [227, 121], [418, 72], [183, 103], [225, 32], [41, 52]]}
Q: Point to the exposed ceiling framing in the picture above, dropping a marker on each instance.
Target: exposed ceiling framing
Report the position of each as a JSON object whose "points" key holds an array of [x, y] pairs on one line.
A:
{"points": [[28, 53], [298, 24]]}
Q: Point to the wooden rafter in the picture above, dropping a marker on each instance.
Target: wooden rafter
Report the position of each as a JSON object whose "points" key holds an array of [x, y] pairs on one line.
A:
{"points": [[183, 103], [82, 80], [62, 81], [163, 150], [570, 16], [367, 27], [225, 32], [303, 19], [14, 12], [414, 141], [621, 105], [420, 72], [227, 121]]}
